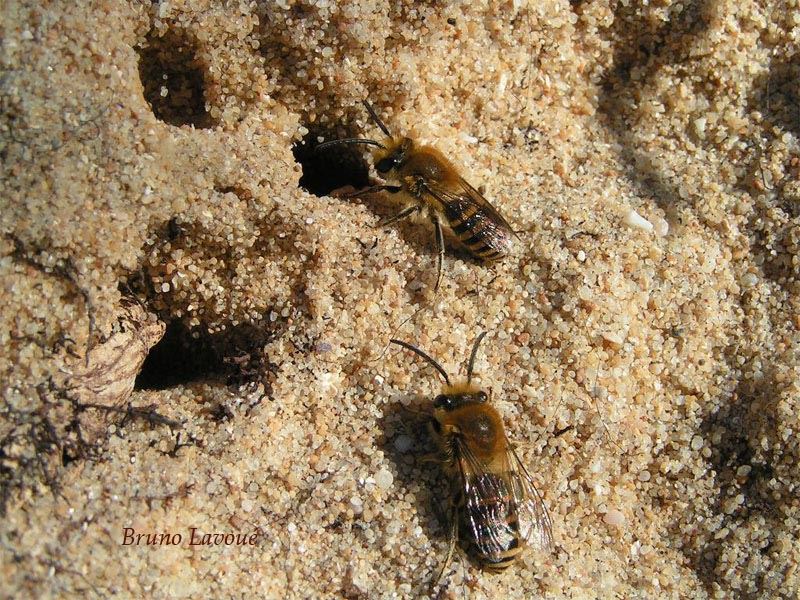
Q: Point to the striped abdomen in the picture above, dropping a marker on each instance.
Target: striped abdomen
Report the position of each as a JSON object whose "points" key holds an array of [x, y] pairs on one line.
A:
{"points": [[475, 227], [491, 529]]}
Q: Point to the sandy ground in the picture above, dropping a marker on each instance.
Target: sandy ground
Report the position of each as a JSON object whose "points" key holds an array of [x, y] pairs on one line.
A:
{"points": [[158, 179]]}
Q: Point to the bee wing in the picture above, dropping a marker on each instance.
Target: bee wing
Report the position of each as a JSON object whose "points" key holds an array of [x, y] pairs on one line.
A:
{"points": [[535, 525], [457, 200], [490, 511], [502, 504]]}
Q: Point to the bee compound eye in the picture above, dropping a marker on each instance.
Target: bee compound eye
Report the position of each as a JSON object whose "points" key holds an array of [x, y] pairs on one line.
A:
{"points": [[386, 164], [441, 401], [482, 397]]}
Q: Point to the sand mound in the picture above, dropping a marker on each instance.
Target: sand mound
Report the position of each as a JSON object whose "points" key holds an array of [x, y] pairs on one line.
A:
{"points": [[159, 183]]}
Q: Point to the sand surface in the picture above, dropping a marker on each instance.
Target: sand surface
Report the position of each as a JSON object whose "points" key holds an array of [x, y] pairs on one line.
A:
{"points": [[157, 180]]}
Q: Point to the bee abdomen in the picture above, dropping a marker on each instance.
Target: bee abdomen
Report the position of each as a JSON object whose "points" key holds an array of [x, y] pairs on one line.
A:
{"points": [[496, 545], [503, 562], [483, 245], [498, 561], [480, 236]]}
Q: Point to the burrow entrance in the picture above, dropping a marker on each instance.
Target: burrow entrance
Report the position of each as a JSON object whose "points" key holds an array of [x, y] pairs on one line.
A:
{"points": [[173, 79], [184, 356], [331, 168]]}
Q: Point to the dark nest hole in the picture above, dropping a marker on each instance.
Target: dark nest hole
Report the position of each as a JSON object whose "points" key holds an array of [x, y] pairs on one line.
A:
{"points": [[331, 168], [777, 94], [173, 80], [183, 356]]}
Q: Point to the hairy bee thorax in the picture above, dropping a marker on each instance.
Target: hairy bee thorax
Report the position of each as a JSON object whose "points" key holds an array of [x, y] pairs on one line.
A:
{"points": [[428, 164], [462, 413]]}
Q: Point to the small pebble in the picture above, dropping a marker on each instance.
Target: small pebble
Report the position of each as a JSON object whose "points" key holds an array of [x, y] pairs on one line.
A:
{"points": [[749, 279], [614, 517], [700, 127], [661, 227], [384, 479], [637, 221], [403, 443]]}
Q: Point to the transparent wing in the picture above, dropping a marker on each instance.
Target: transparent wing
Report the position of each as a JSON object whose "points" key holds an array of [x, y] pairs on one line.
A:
{"points": [[502, 506], [461, 198], [535, 525], [488, 509]]}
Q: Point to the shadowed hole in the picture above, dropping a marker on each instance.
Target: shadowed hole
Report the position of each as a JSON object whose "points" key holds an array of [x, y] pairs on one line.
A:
{"points": [[332, 168], [178, 359], [172, 78], [777, 94], [184, 356]]}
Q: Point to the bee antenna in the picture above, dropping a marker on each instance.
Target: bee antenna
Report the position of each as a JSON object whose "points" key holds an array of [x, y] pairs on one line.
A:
{"points": [[419, 352], [473, 354], [348, 141], [377, 119]]}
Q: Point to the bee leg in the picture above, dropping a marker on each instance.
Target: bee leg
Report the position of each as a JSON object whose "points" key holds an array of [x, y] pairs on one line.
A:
{"points": [[431, 457], [523, 446], [437, 225], [406, 212], [374, 190], [452, 543]]}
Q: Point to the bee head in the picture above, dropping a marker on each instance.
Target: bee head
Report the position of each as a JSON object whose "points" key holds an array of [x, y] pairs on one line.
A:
{"points": [[464, 411], [452, 399], [393, 155]]}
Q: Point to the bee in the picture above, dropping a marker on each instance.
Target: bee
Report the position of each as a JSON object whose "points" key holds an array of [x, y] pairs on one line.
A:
{"points": [[495, 508], [429, 184]]}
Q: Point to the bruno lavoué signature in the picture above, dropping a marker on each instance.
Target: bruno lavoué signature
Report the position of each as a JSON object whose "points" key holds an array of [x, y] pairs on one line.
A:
{"points": [[193, 537]]}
